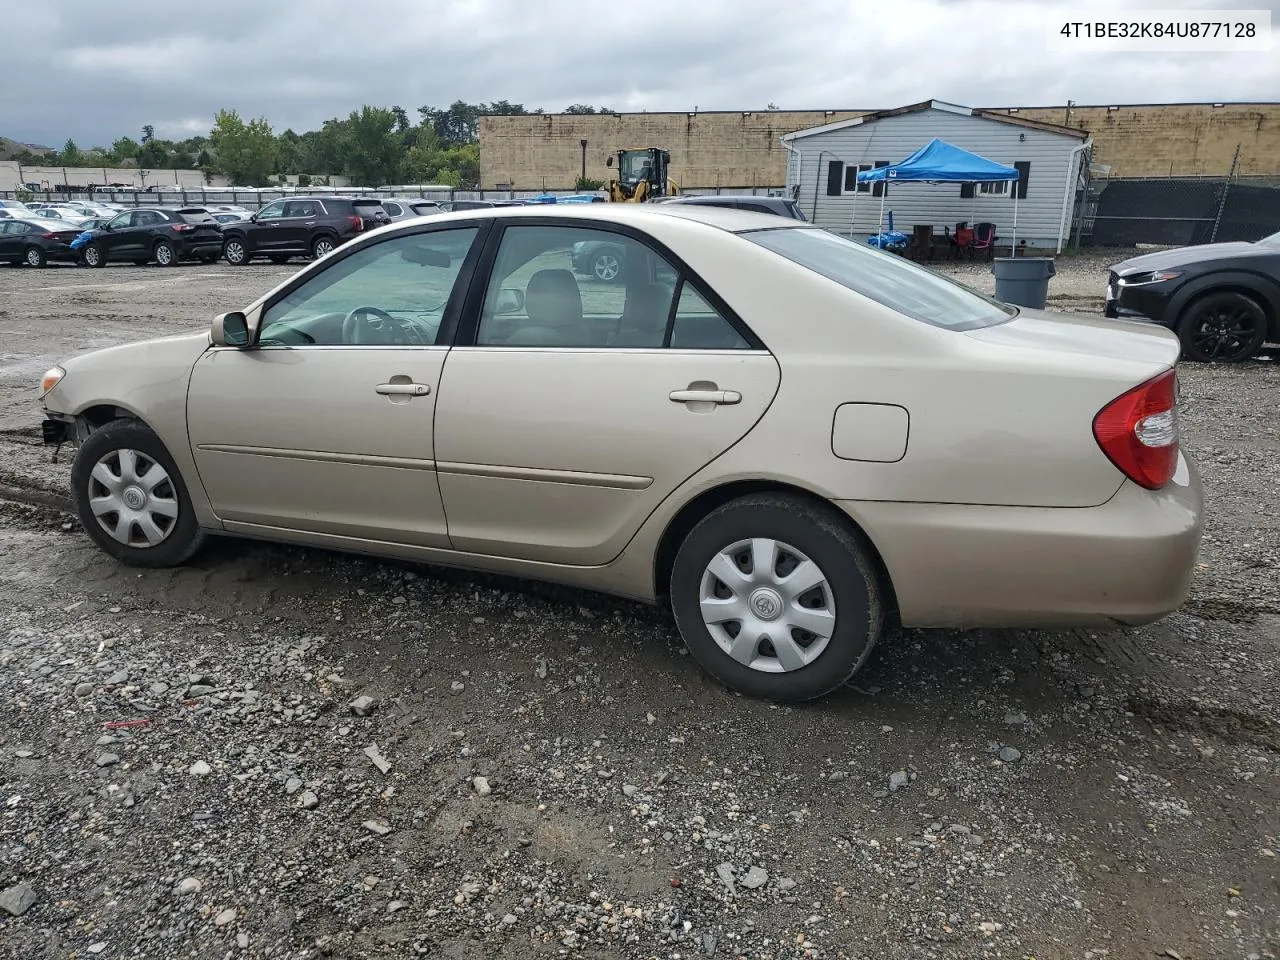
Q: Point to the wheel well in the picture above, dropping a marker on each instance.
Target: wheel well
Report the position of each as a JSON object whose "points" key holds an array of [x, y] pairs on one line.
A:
{"points": [[1257, 296], [99, 416], [697, 508]]}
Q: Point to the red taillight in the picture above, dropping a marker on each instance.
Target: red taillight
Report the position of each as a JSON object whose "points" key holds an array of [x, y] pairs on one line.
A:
{"points": [[356, 221], [182, 227], [1138, 431]]}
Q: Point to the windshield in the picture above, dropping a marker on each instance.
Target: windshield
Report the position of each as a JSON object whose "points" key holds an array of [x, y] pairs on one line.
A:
{"points": [[885, 278]]}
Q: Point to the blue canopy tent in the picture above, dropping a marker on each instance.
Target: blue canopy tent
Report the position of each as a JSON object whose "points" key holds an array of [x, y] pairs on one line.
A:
{"points": [[941, 162]]}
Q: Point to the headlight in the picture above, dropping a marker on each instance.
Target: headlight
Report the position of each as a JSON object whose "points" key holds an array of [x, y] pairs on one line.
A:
{"points": [[1151, 276], [53, 376]]}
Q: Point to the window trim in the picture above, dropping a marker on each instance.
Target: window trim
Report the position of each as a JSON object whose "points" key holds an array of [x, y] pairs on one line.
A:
{"points": [[449, 321], [858, 187], [470, 316], [1003, 193]]}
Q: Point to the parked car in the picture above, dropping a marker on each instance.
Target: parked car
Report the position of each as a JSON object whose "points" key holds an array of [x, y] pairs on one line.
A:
{"points": [[223, 216], [402, 209], [300, 226], [603, 259], [14, 207], [34, 241], [779, 206], [58, 212], [789, 437], [1222, 299], [166, 235]]}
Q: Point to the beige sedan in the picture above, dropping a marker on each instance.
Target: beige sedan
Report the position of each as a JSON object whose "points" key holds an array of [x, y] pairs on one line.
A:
{"points": [[790, 437]]}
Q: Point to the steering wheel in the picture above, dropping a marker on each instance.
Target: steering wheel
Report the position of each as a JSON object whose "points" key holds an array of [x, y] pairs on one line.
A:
{"points": [[371, 325]]}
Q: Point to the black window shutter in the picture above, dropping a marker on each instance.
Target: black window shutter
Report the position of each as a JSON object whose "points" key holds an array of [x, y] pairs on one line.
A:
{"points": [[835, 176], [1024, 172], [879, 186], [966, 189]]}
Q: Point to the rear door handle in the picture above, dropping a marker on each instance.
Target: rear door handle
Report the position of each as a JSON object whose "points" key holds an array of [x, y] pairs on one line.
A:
{"points": [[706, 396], [403, 389]]}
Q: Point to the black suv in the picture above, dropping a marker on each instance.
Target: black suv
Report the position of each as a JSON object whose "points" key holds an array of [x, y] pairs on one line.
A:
{"points": [[163, 234], [300, 226]]}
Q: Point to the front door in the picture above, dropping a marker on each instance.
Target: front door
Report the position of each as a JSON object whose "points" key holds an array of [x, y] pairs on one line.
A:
{"points": [[581, 403], [264, 233], [325, 424], [114, 239]]}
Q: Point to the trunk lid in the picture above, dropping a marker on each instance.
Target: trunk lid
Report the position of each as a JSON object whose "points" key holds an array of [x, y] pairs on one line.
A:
{"points": [[1086, 338]]}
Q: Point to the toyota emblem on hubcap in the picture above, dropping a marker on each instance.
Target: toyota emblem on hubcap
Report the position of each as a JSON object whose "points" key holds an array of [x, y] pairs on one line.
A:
{"points": [[134, 498], [766, 604]]}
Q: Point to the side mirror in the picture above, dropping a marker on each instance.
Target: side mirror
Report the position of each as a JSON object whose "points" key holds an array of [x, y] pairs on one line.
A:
{"points": [[510, 300], [253, 217], [230, 330]]}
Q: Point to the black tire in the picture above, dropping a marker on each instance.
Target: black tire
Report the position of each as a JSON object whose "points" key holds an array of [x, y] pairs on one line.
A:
{"points": [[93, 256], [34, 256], [851, 591], [278, 258], [322, 245], [236, 252], [165, 253], [182, 538], [606, 266], [1225, 327]]}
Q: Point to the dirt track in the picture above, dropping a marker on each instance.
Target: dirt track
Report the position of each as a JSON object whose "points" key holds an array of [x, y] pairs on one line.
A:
{"points": [[1141, 814]]}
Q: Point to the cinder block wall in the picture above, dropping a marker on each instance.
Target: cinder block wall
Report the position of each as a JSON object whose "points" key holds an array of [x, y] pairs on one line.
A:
{"points": [[731, 149], [1161, 140], [736, 149]]}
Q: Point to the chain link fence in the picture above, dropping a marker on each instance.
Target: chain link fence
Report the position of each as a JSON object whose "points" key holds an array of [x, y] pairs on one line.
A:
{"points": [[1177, 211]]}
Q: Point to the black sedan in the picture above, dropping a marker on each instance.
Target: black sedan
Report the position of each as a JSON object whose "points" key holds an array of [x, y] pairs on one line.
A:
{"points": [[36, 241], [163, 234], [1222, 299]]}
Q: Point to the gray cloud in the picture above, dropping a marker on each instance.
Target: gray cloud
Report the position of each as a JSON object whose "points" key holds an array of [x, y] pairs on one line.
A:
{"points": [[93, 71]]}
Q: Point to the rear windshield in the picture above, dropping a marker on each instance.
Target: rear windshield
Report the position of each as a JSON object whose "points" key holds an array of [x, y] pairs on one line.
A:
{"points": [[367, 208], [885, 278], [196, 215]]}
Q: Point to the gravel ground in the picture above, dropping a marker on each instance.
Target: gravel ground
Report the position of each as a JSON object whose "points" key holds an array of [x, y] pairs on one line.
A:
{"points": [[287, 753]]}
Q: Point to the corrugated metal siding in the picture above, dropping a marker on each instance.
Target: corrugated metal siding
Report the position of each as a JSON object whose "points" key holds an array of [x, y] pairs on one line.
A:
{"points": [[896, 138]]}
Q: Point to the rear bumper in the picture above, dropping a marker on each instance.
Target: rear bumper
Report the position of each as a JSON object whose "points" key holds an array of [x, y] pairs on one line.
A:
{"points": [[200, 246], [1129, 561]]}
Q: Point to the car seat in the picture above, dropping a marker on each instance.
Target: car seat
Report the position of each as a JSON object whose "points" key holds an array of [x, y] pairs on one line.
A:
{"points": [[553, 304]]}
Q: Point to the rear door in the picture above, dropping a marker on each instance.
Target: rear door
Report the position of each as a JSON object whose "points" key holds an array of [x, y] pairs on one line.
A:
{"points": [[573, 406], [11, 232]]}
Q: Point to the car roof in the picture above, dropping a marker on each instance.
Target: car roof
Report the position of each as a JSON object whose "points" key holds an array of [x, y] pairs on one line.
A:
{"points": [[638, 214]]}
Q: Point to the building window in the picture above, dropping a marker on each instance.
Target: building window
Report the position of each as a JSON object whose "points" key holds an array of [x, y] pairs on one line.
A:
{"points": [[851, 171], [997, 189]]}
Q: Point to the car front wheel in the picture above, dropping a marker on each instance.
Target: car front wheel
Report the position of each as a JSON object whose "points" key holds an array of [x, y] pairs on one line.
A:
{"points": [[93, 256], [131, 499], [1225, 327], [776, 597]]}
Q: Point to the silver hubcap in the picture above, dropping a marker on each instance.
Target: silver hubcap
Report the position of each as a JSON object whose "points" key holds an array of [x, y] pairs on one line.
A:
{"points": [[163, 255], [606, 267], [132, 498], [33, 257], [767, 605], [91, 255], [323, 248], [235, 252]]}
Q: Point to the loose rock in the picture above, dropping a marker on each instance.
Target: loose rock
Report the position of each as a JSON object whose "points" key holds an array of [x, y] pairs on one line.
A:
{"points": [[18, 899], [756, 877], [188, 886], [362, 706], [200, 769], [897, 780], [225, 917], [1009, 754], [481, 786], [107, 760]]}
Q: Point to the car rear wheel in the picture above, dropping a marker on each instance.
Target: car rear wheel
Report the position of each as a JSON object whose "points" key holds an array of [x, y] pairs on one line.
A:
{"points": [[1224, 327], [322, 247], [235, 252], [606, 266], [93, 256], [34, 257], [131, 499], [165, 255], [776, 597]]}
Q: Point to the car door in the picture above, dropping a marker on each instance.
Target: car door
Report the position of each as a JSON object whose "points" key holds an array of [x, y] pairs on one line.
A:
{"points": [[324, 426], [11, 240], [263, 234], [115, 238], [562, 423], [142, 234], [294, 232]]}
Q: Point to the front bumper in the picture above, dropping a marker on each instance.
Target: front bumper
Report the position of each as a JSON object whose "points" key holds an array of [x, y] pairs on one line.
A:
{"points": [[1128, 561]]}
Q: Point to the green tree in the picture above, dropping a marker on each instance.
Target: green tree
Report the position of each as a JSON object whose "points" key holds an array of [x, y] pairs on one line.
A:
{"points": [[374, 154], [70, 155], [123, 149], [585, 109], [148, 133], [245, 152]]}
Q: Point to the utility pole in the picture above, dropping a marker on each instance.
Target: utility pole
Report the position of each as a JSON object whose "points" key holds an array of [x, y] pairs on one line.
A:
{"points": [[1066, 120]]}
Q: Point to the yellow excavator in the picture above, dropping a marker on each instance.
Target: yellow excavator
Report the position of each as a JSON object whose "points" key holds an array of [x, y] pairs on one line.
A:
{"points": [[642, 176]]}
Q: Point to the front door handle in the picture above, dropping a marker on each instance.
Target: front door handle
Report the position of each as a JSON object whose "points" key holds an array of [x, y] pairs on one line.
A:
{"points": [[705, 396], [403, 389]]}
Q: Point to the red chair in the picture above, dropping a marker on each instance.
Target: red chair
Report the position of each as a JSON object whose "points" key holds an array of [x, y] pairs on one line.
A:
{"points": [[962, 241]]}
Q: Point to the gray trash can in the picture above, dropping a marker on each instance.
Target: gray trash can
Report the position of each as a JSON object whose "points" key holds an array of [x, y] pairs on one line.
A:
{"points": [[1023, 280]]}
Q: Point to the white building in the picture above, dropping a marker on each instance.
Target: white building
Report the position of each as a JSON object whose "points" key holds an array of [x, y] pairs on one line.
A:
{"points": [[824, 162]]}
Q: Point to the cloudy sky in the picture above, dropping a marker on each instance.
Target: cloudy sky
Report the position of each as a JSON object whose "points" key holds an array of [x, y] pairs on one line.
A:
{"points": [[94, 71]]}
